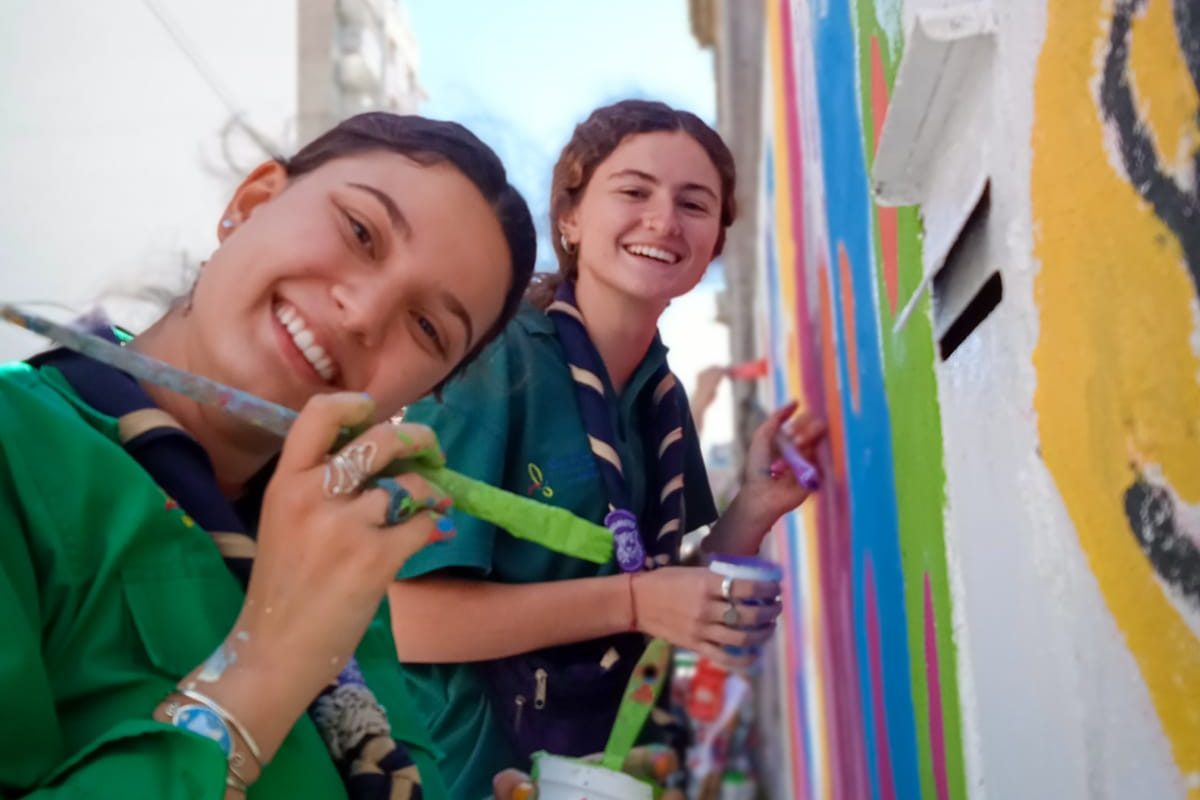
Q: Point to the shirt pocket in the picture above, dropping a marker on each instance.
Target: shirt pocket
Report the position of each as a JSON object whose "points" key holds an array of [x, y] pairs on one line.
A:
{"points": [[181, 614]]}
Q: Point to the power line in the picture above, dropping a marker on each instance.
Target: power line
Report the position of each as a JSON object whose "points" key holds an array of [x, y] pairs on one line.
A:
{"points": [[209, 77]]}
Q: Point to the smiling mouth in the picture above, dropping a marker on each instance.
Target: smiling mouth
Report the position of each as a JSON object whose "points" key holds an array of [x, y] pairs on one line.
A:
{"points": [[304, 340], [655, 253]]}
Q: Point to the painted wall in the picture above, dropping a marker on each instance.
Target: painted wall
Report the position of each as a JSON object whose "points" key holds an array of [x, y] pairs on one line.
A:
{"points": [[998, 591]]}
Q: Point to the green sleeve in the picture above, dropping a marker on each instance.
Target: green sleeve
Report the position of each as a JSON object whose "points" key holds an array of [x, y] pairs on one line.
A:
{"points": [[473, 425], [38, 758]]}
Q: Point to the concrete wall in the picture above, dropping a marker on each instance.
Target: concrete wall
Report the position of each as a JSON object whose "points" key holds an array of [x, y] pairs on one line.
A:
{"points": [[998, 591]]}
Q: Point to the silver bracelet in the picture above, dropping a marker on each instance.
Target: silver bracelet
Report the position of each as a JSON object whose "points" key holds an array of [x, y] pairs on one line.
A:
{"points": [[235, 783], [224, 714]]}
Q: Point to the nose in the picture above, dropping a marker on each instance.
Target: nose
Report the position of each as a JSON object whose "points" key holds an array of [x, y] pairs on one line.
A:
{"points": [[362, 312], [661, 217]]}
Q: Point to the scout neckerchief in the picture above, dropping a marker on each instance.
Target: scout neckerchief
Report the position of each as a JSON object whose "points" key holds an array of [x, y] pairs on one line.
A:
{"points": [[350, 719], [658, 543]]}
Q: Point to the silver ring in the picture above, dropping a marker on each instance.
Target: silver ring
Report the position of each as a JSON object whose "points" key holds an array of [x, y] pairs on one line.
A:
{"points": [[346, 472], [727, 588], [731, 617]]}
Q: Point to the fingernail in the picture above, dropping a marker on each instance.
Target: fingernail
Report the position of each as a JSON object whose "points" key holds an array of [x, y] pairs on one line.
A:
{"points": [[778, 468], [443, 530], [524, 791]]}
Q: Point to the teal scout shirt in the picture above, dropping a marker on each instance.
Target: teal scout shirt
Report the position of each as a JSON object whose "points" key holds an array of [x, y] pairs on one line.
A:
{"points": [[512, 421], [109, 594]]}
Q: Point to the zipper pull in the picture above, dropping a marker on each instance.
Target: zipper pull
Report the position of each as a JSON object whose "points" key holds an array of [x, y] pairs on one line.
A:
{"points": [[539, 696], [520, 703]]}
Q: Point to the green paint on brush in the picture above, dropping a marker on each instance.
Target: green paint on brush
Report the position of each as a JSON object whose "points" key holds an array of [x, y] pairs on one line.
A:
{"points": [[553, 528]]}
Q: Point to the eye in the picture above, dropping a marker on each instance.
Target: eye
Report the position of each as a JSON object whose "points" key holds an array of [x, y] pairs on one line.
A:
{"points": [[362, 233], [635, 192], [429, 330], [695, 206]]}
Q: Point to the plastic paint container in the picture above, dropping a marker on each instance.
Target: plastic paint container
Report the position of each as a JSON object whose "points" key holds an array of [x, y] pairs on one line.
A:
{"points": [[560, 778]]}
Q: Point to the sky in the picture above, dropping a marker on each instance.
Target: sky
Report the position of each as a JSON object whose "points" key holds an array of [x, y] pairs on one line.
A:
{"points": [[523, 74]]}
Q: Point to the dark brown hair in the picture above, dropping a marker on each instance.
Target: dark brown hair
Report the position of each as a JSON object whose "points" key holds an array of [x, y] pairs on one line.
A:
{"points": [[428, 142], [594, 140]]}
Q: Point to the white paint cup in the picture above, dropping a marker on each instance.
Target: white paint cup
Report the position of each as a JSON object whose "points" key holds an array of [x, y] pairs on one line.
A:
{"points": [[747, 568], [560, 778]]}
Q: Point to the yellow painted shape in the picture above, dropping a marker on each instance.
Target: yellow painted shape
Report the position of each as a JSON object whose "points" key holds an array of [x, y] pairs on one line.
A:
{"points": [[1163, 90], [1116, 373]]}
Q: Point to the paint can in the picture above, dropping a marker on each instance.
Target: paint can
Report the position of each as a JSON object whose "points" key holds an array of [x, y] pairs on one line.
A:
{"points": [[561, 778], [747, 568]]}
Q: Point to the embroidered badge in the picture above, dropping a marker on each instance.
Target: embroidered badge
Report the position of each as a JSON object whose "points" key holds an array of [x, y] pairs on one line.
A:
{"points": [[538, 482], [627, 541]]}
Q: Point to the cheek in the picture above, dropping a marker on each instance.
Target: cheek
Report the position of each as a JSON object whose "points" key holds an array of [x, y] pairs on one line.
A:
{"points": [[410, 378]]}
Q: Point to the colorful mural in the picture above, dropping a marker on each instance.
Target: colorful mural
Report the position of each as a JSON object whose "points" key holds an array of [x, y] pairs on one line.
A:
{"points": [[874, 711], [1112, 387], [1118, 400]]}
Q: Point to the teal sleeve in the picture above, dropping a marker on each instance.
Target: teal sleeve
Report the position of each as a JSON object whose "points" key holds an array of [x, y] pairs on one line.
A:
{"points": [[473, 427]]}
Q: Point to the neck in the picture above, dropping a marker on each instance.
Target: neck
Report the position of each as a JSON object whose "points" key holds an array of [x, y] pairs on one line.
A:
{"points": [[620, 327], [236, 449]]}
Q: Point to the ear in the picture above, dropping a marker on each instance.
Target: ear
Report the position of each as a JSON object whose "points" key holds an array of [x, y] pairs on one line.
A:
{"points": [[264, 183], [568, 225]]}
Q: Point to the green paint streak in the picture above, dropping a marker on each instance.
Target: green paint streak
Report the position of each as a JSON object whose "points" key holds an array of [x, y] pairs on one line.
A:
{"points": [[917, 448]]}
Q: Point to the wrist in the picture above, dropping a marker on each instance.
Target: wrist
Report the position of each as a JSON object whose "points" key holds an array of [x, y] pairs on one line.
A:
{"points": [[743, 527], [633, 612], [265, 699]]}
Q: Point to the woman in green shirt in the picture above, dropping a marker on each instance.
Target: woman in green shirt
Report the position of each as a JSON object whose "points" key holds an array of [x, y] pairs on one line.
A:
{"points": [[348, 281], [510, 648]]}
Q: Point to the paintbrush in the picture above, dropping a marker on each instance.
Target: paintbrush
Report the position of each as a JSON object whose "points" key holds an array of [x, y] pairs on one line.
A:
{"points": [[553, 528]]}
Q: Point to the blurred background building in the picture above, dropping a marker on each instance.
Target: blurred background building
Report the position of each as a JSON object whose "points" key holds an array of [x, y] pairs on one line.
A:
{"points": [[128, 125]]}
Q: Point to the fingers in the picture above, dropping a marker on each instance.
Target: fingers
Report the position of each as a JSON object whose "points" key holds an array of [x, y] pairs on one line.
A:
{"points": [[389, 502], [748, 616], [317, 427], [806, 433], [738, 638], [419, 442], [733, 662], [651, 762], [771, 425], [744, 590], [513, 784]]}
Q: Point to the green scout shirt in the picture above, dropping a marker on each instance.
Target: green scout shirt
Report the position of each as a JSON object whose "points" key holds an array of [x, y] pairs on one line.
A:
{"points": [[512, 421], [109, 594]]}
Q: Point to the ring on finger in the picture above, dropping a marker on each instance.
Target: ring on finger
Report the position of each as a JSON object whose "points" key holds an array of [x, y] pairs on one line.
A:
{"points": [[401, 507], [731, 617], [727, 588], [346, 471]]}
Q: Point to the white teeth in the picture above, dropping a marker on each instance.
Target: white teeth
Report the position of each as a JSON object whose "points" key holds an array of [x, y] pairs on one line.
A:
{"points": [[305, 342], [658, 254]]}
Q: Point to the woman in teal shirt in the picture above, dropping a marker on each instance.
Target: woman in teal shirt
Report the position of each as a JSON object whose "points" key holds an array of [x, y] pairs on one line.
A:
{"points": [[508, 648], [349, 280]]}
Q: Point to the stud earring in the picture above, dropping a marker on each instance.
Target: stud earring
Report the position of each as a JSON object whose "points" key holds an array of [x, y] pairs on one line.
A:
{"points": [[227, 223], [567, 247]]}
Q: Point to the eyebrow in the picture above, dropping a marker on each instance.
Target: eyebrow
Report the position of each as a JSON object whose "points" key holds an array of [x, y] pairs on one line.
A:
{"points": [[646, 176], [456, 308], [399, 222]]}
